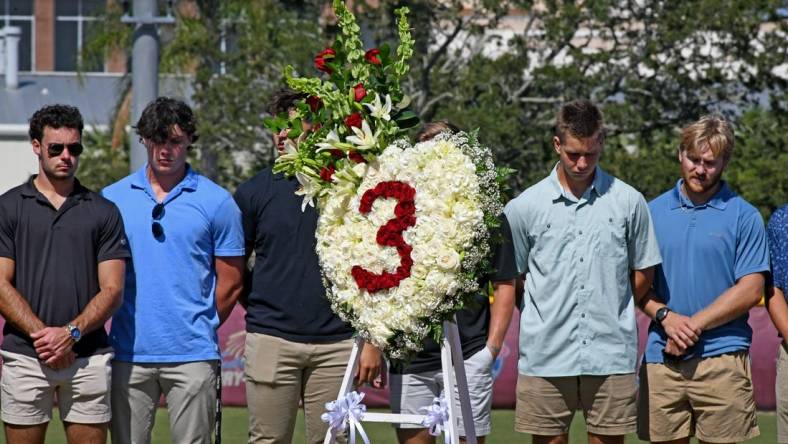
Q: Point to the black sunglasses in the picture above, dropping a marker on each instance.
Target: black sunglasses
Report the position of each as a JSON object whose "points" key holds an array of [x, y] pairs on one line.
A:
{"points": [[56, 149], [157, 214]]}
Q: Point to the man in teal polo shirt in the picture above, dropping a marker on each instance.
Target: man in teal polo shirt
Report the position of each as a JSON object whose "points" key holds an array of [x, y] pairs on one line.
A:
{"points": [[187, 250], [585, 243], [696, 378]]}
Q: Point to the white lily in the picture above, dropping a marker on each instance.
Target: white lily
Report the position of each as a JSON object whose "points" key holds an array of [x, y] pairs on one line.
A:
{"points": [[379, 110], [309, 189], [363, 139], [330, 142]]}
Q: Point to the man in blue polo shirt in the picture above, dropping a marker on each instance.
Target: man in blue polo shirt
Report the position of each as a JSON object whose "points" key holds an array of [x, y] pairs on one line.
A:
{"points": [[696, 378], [185, 276]]}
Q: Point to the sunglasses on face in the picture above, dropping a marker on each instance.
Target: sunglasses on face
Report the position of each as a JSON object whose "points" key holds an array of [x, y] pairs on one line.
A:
{"points": [[56, 149], [157, 214]]}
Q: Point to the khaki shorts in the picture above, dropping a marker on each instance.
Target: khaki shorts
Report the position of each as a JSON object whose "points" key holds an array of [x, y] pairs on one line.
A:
{"points": [[28, 389], [546, 406], [710, 398]]}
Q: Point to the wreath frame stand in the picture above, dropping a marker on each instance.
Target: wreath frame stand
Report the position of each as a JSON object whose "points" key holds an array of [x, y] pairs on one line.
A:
{"points": [[453, 372]]}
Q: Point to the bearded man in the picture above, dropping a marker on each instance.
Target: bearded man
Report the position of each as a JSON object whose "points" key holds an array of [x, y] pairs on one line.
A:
{"points": [[696, 378]]}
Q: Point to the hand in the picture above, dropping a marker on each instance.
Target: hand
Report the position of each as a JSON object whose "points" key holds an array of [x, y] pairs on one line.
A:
{"points": [[371, 367], [61, 362], [495, 350], [681, 329], [672, 348], [52, 342]]}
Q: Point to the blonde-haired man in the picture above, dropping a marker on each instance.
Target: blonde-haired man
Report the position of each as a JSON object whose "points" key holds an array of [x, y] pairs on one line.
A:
{"points": [[696, 376]]}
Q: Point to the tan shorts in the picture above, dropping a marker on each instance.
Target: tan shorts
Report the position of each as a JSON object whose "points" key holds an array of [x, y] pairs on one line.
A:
{"points": [[28, 389], [546, 406], [710, 398]]}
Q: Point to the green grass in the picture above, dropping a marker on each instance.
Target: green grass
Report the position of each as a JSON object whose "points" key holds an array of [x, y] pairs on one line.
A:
{"points": [[234, 426]]}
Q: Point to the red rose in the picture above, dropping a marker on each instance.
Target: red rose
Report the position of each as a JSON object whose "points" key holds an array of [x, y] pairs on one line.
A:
{"points": [[356, 157], [353, 120], [337, 153], [322, 58], [314, 103], [360, 92], [327, 172], [372, 56]]}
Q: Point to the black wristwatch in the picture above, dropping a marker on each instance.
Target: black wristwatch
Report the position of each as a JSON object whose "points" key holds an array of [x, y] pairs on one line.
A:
{"points": [[662, 313]]}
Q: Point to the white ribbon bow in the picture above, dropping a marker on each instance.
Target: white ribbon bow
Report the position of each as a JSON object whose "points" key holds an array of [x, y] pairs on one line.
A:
{"points": [[437, 417], [347, 410]]}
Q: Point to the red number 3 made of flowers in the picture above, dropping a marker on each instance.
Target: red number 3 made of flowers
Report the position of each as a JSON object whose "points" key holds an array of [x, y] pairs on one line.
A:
{"points": [[389, 235]]}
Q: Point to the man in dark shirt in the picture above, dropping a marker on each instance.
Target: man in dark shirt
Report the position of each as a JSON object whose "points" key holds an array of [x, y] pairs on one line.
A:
{"points": [[482, 330], [296, 347], [62, 260]]}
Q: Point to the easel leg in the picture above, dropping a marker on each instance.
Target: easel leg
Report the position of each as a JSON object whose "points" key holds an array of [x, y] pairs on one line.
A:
{"points": [[347, 379], [451, 341]]}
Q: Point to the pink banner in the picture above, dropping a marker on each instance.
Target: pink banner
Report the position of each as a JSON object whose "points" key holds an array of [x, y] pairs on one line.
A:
{"points": [[763, 354]]}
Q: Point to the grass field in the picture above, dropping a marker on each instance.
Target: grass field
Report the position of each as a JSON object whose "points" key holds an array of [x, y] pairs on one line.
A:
{"points": [[235, 422]]}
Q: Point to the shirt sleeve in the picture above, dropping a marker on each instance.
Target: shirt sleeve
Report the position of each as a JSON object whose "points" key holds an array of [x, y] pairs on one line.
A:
{"points": [[248, 217], [112, 242], [519, 229], [642, 245], [778, 247], [752, 251], [228, 234], [503, 255], [7, 230]]}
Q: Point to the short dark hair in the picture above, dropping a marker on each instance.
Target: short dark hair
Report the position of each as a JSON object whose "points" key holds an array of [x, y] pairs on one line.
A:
{"points": [[282, 100], [55, 116], [580, 119], [161, 115], [431, 129]]}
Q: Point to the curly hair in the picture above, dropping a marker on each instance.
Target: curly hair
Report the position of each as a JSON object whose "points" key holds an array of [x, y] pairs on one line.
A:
{"points": [[282, 100], [55, 116], [161, 115]]}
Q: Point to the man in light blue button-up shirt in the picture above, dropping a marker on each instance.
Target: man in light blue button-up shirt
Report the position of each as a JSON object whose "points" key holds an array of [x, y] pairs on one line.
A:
{"points": [[583, 239]]}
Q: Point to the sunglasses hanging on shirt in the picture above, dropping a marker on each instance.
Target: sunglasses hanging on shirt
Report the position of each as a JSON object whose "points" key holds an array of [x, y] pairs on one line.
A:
{"points": [[157, 214]]}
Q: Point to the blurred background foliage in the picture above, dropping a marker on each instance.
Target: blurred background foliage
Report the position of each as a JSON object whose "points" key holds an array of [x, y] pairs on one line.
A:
{"points": [[503, 67]]}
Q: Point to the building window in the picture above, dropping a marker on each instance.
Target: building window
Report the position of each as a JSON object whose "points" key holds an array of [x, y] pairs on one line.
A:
{"points": [[73, 23], [20, 13]]}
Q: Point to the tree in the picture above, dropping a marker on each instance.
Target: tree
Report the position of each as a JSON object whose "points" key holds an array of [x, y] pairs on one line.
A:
{"points": [[505, 66], [652, 65]]}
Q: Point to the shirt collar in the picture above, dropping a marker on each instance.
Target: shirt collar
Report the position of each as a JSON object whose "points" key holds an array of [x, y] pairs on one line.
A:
{"points": [[29, 190], [600, 184], [719, 201], [140, 180]]}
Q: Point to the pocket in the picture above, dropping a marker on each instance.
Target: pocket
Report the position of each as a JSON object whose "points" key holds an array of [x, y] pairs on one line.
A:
{"points": [[613, 238], [482, 359], [546, 247], [261, 357]]}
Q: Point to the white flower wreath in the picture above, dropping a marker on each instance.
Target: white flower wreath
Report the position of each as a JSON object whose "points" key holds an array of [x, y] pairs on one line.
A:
{"points": [[455, 188]]}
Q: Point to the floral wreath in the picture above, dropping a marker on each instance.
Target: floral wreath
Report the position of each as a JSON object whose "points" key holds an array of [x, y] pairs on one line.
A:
{"points": [[403, 232]]}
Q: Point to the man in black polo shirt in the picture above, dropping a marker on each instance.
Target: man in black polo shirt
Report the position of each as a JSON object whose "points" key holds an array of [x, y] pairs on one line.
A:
{"points": [[296, 347], [62, 261], [482, 330]]}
